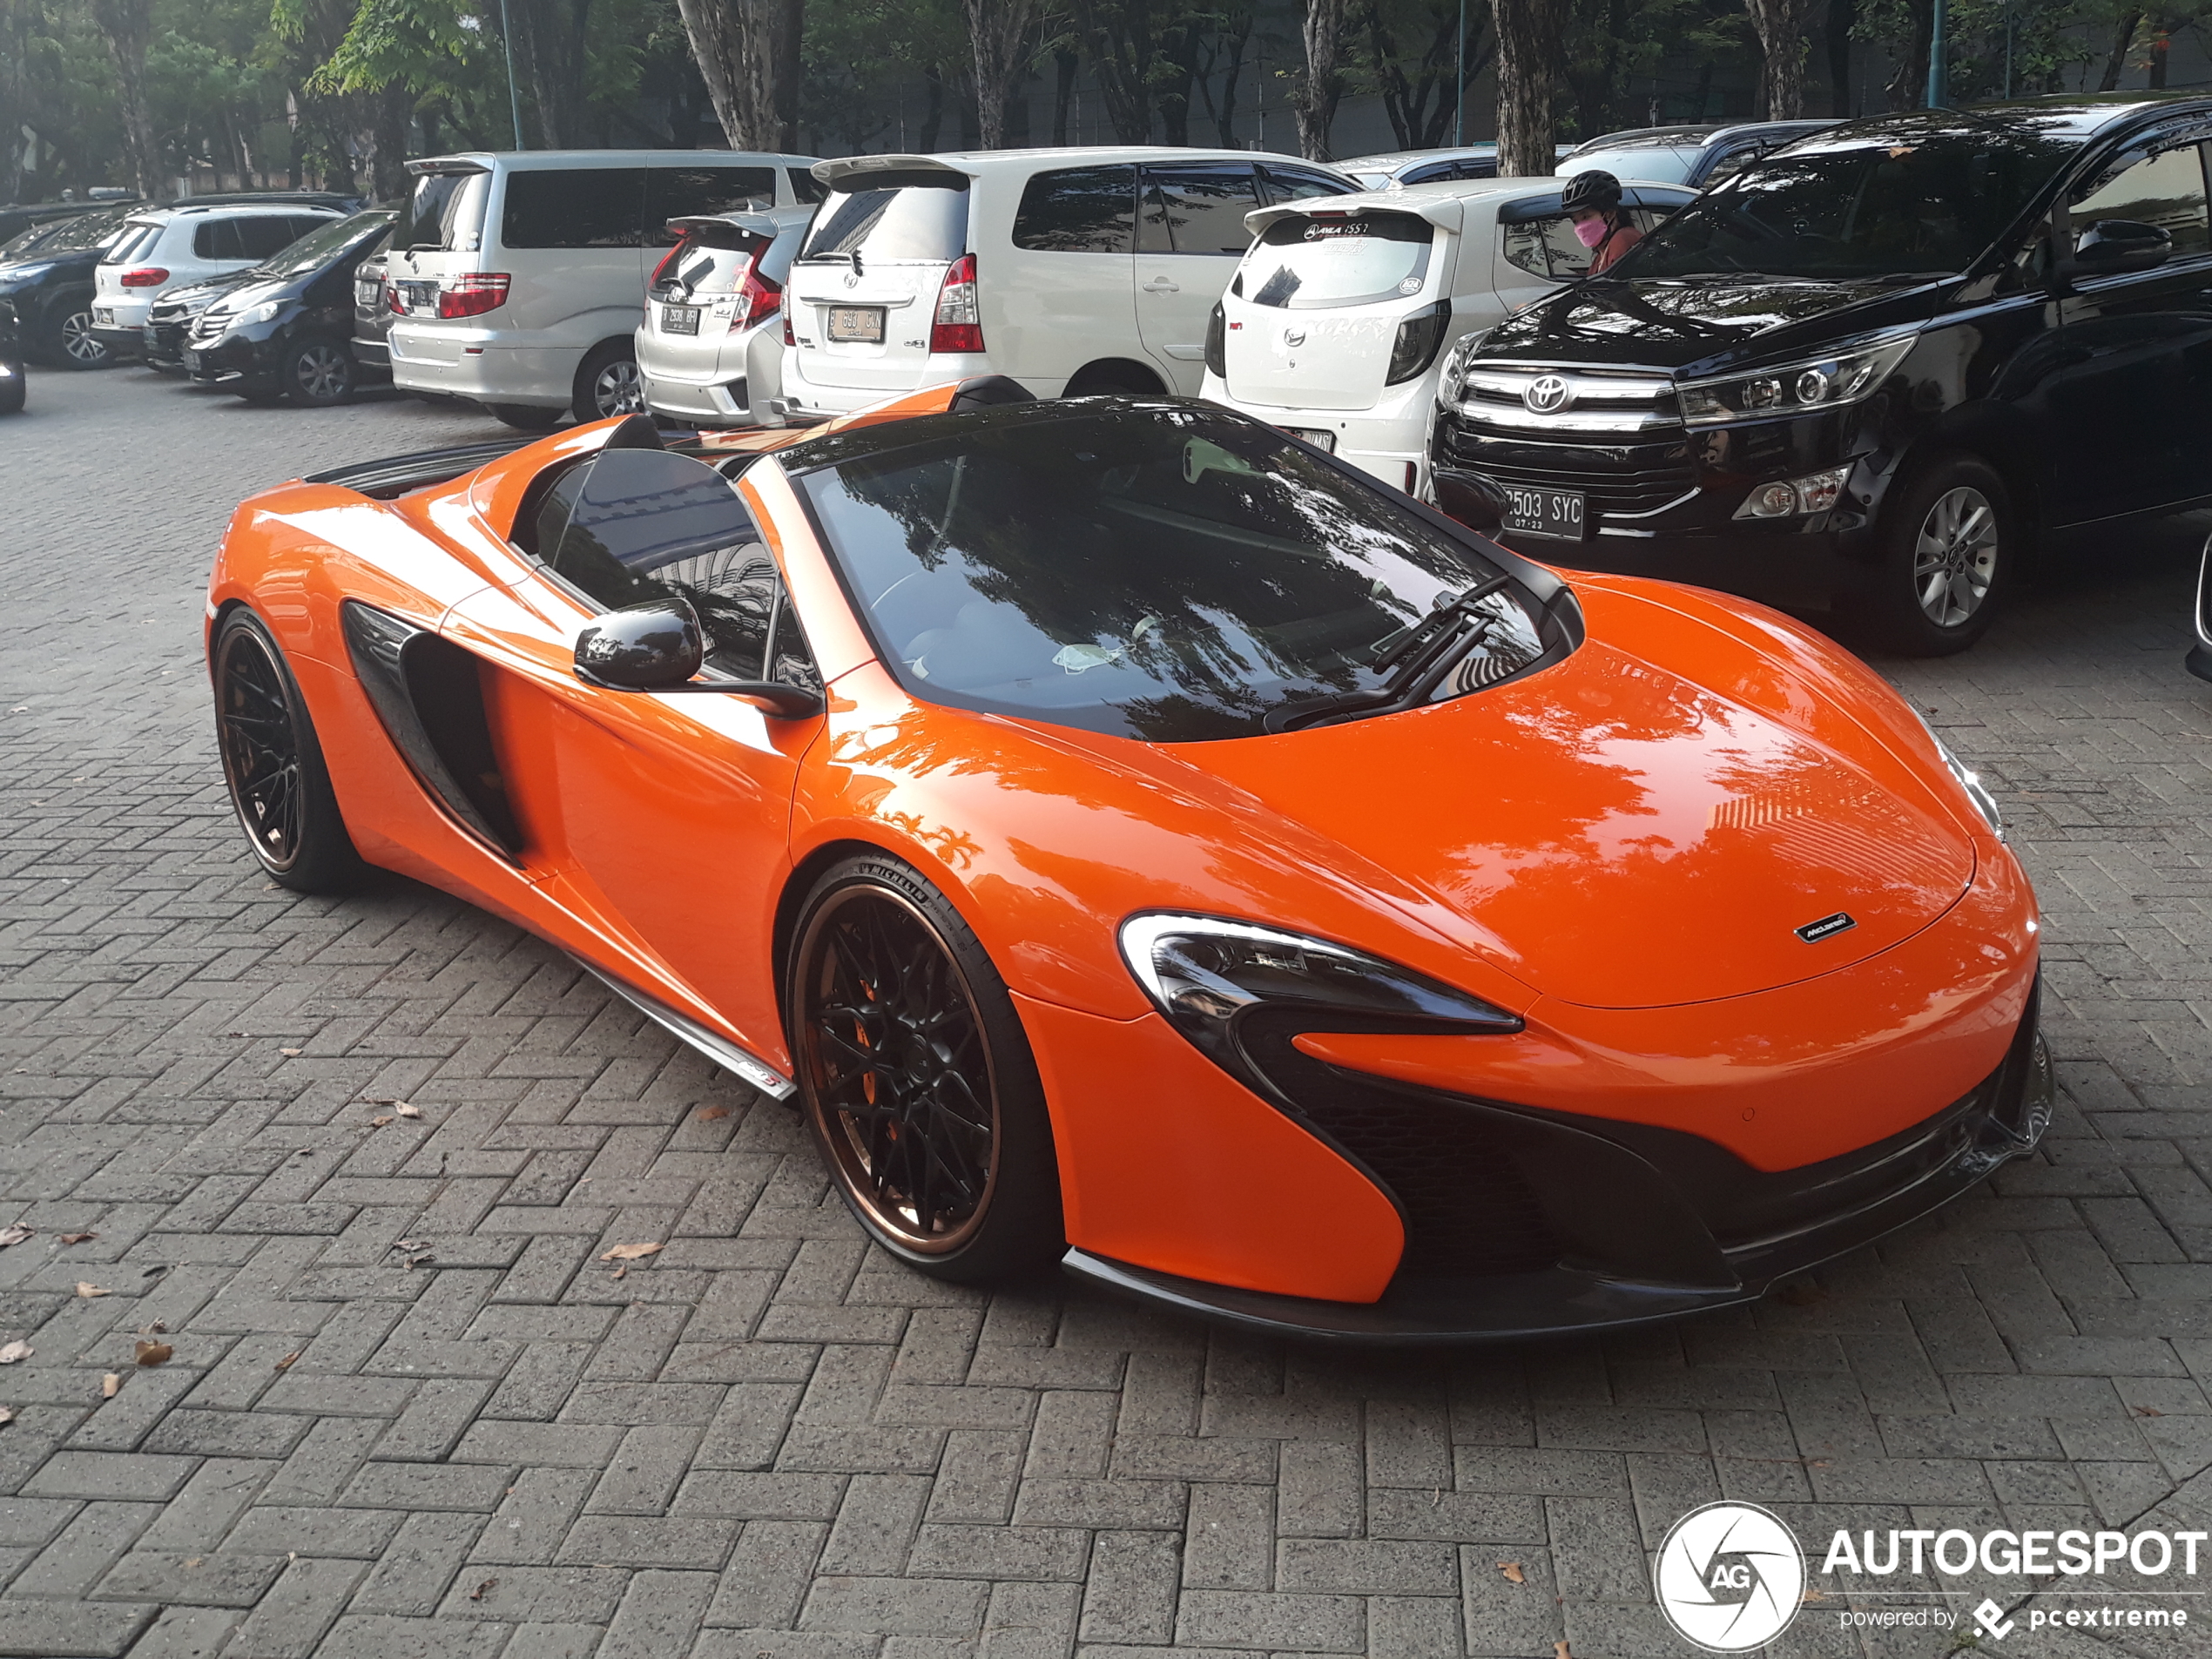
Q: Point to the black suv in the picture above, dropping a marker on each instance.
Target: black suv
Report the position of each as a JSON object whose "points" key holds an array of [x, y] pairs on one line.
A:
{"points": [[1868, 371]]}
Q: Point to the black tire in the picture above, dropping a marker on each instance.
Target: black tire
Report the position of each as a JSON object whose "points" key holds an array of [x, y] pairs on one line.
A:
{"points": [[68, 339], [524, 417], [12, 387], [316, 374], [941, 1147], [272, 765], [1950, 543], [608, 383], [1128, 380]]}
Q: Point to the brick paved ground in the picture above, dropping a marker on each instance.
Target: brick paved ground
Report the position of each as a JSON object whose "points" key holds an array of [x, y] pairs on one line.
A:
{"points": [[766, 1441]]}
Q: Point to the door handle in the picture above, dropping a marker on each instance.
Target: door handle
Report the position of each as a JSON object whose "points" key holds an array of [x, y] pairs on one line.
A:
{"points": [[1161, 284]]}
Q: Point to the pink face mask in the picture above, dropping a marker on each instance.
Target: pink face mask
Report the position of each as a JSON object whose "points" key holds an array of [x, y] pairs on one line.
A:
{"points": [[1590, 232]]}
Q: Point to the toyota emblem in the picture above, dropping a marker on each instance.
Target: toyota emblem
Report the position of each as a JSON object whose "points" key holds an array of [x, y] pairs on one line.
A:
{"points": [[1547, 395]]}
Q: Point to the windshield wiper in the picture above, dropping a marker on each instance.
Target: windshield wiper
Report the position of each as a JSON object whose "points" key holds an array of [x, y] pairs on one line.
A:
{"points": [[1412, 665]]}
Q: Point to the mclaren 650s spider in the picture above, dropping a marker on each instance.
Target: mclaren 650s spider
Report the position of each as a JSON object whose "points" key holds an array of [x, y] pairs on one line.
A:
{"points": [[1131, 837]]}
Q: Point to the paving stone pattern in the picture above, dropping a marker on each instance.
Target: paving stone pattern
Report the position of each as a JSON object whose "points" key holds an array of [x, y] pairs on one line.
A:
{"points": [[411, 1415]]}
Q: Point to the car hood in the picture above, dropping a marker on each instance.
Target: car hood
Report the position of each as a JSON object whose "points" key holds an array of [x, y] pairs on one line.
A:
{"points": [[1704, 325], [1617, 832], [201, 294]]}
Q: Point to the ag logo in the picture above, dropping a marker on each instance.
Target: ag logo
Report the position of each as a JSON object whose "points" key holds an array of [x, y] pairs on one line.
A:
{"points": [[1546, 394], [1730, 1577]]}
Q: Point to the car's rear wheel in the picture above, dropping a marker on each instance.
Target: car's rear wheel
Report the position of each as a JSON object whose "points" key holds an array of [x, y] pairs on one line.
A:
{"points": [[273, 764], [1110, 377], [318, 373], [524, 417], [916, 1079], [72, 342], [1950, 541], [608, 383]]}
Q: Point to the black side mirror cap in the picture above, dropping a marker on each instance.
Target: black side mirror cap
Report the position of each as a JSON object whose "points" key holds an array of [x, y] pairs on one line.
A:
{"points": [[2114, 246], [658, 646]]}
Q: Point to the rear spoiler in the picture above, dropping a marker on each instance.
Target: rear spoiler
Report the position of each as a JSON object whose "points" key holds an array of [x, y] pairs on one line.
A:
{"points": [[396, 475], [729, 230], [888, 173]]}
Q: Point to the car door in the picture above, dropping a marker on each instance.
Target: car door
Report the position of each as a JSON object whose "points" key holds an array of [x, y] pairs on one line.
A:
{"points": [[2132, 395], [1190, 232], [664, 815]]}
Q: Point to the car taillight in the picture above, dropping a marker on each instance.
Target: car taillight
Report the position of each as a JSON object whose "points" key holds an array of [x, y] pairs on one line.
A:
{"points": [[147, 276], [666, 259], [759, 299], [790, 338], [1418, 336], [1216, 343], [392, 300], [473, 293], [959, 324]]}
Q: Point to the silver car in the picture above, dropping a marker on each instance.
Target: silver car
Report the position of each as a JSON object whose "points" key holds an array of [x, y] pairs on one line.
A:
{"points": [[711, 348]]}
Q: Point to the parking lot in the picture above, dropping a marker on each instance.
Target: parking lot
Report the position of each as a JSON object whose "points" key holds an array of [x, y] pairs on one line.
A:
{"points": [[411, 1410]]}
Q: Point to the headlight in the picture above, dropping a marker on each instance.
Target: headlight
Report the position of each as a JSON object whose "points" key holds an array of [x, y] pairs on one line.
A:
{"points": [[1209, 976], [1453, 382], [265, 312], [15, 276], [1977, 792], [1794, 388], [1814, 493]]}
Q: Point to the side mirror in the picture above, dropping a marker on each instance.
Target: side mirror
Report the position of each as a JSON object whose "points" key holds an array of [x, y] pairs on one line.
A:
{"points": [[649, 647], [658, 646], [2112, 246]]}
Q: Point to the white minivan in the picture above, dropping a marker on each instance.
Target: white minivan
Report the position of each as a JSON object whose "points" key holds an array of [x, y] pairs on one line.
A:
{"points": [[1339, 318], [517, 280], [1071, 270]]}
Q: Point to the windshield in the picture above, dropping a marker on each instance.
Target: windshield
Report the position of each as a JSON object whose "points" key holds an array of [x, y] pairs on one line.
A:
{"points": [[1300, 263], [920, 222], [1658, 163], [1157, 571], [92, 230], [1906, 206], [319, 247], [445, 214]]}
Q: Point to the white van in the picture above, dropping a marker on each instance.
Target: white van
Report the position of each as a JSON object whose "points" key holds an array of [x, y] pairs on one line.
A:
{"points": [[1340, 317], [517, 280], [1070, 270]]}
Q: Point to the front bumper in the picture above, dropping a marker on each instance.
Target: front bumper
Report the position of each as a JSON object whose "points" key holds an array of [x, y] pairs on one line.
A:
{"points": [[1578, 1224], [122, 340], [235, 360], [722, 404]]}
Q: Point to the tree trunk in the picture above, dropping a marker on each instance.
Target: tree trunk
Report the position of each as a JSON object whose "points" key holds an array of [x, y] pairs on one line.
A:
{"points": [[1229, 43], [1527, 66], [1182, 58], [126, 25], [791, 34], [738, 47], [393, 109], [998, 33], [932, 79], [2160, 38], [1322, 86], [1908, 87], [2118, 59], [1780, 25], [1065, 64], [1841, 15]]}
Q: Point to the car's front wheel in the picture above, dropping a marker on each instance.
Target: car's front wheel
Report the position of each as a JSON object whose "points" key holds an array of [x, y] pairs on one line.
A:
{"points": [[608, 384], [272, 764], [524, 417], [916, 1079], [70, 341], [1950, 541], [317, 372]]}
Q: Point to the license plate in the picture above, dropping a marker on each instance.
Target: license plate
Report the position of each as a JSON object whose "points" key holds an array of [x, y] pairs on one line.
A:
{"points": [[418, 296], [1545, 512], [191, 360], [863, 323], [679, 319], [1314, 435], [368, 295], [103, 314]]}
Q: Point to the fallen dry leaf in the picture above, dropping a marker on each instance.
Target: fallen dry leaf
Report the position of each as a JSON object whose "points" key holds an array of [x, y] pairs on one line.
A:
{"points": [[14, 1235], [623, 1271], [7, 1414], [1559, 1649], [1813, 1592], [378, 1123], [1512, 1570], [154, 1353], [713, 1112], [291, 1054], [285, 1363], [86, 1289], [154, 1329], [194, 1560], [417, 1261], [410, 1244], [630, 1252], [110, 1384], [78, 1238], [2149, 1411], [477, 1594], [16, 1350], [406, 1111]]}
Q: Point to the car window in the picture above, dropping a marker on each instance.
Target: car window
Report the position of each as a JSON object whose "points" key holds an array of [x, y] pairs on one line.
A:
{"points": [[325, 238], [1303, 263], [134, 239], [632, 525], [805, 187], [1296, 183], [267, 234], [216, 238], [574, 207], [674, 193], [1175, 575], [1197, 209], [918, 222], [447, 212], [1732, 162], [2165, 190], [1546, 248], [1078, 210]]}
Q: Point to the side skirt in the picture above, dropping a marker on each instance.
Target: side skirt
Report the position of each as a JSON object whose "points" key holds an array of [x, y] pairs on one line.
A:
{"points": [[724, 1053]]}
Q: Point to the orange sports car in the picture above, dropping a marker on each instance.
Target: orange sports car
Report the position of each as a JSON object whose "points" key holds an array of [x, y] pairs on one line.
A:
{"points": [[1132, 838]]}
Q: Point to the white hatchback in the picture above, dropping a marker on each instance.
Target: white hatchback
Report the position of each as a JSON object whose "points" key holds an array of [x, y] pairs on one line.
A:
{"points": [[1071, 270], [1340, 316], [169, 248], [711, 345]]}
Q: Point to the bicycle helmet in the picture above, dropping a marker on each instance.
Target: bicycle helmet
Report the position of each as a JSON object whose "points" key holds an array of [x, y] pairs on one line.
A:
{"points": [[1596, 192]]}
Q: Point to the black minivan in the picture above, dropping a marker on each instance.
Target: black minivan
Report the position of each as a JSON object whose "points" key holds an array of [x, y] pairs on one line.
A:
{"points": [[1867, 373]]}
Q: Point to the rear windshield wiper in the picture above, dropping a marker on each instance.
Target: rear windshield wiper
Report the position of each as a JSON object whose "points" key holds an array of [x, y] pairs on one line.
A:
{"points": [[1414, 665]]}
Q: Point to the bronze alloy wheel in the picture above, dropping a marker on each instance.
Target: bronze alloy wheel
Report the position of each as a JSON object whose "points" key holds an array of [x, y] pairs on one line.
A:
{"points": [[896, 1069]]}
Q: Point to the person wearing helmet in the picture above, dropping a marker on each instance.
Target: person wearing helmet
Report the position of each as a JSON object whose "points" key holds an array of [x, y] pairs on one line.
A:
{"points": [[1592, 202]]}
